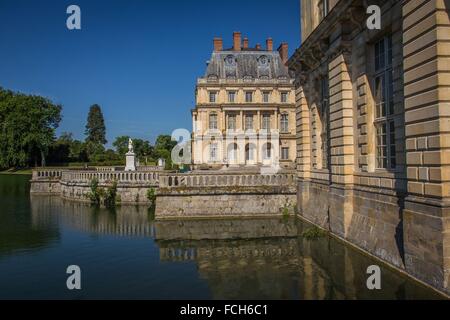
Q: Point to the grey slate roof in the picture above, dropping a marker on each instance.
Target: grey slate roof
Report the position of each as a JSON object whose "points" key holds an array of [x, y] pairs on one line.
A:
{"points": [[246, 64]]}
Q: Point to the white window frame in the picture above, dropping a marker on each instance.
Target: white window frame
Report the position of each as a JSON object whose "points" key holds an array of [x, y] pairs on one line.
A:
{"points": [[384, 122], [284, 123], [213, 122]]}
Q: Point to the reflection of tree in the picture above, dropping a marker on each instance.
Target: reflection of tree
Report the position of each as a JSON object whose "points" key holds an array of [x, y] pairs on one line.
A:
{"points": [[17, 231], [121, 221]]}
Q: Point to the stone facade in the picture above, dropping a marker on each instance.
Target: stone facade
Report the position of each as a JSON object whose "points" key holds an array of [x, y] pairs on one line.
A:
{"points": [[245, 104], [372, 128]]}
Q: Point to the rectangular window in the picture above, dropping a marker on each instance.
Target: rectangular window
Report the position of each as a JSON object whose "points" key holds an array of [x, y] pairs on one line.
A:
{"points": [[266, 96], [248, 96], [212, 96], [284, 123], [266, 122], [213, 121], [324, 117], [284, 153], [284, 97], [231, 96], [384, 105], [248, 122], [213, 151], [232, 122]]}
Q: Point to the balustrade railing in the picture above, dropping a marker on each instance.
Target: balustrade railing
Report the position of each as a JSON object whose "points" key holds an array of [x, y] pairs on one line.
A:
{"points": [[106, 177], [46, 174], [225, 180]]}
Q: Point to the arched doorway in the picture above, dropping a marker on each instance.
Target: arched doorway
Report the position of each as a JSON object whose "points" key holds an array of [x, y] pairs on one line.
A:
{"points": [[250, 153]]}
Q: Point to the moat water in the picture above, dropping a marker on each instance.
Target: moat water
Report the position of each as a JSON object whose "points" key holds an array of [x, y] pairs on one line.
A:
{"points": [[125, 254]]}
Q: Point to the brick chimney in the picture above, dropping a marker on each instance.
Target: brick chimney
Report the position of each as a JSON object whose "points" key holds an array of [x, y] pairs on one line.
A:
{"points": [[284, 52], [269, 44], [245, 44], [258, 46], [236, 41], [218, 44]]}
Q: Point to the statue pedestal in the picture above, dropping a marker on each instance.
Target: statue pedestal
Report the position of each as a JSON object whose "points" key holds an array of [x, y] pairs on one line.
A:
{"points": [[130, 161]]}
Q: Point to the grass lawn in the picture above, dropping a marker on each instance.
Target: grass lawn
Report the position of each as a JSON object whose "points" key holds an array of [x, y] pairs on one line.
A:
{"points": [[16, 171]]}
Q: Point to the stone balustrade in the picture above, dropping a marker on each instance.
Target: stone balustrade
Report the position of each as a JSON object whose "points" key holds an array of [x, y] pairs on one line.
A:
{"points": [[46, 174], [147, 177], [190, 180]]}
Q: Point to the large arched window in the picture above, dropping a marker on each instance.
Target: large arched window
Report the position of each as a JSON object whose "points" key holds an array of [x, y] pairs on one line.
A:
{"points": [[250, 152]]}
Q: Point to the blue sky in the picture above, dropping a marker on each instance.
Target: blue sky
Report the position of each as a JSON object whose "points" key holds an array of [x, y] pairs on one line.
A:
{"points": [[137, 59]]}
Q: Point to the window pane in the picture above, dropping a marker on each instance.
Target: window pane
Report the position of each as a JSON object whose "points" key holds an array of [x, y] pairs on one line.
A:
{"points": [[248, 96], [231, 95], [390, 93], [212, 97], [213, 121], [248, 122], [232, 122]]}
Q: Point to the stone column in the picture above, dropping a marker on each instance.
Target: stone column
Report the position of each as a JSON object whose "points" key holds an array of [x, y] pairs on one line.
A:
{"points": [[426, 63], [342, 149]]}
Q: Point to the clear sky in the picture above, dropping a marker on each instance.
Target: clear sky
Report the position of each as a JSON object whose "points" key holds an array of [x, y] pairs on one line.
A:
{"points": [[137, 59]]}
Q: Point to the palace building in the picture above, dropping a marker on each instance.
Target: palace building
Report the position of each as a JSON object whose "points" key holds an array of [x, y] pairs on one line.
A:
{"points": [[245, 108], [373, 129]]}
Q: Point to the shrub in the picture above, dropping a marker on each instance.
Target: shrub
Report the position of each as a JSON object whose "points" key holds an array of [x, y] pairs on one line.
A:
{"points": [[151, 196], [111, 195], [313, 233], [94, 194]]}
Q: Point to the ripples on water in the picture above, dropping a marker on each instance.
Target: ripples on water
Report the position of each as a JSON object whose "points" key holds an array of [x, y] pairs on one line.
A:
{"points": [[123, 253]]}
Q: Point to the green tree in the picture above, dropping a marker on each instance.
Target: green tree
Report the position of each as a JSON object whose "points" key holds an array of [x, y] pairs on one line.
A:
{"points": [[95, 126], [165, 142], [27, 128], [121, 145]]}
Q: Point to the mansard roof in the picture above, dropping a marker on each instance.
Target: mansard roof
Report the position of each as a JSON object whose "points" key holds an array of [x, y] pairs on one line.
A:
{"points": [[248, 63]]}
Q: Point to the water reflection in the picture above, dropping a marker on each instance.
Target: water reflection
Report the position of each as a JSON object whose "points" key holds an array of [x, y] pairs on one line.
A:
{"points": [[241, 258], [17, 232], [134, 221], [222, 259]]}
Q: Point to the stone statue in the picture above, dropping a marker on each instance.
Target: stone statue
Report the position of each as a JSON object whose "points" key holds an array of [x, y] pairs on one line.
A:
{"points": [[130, 145], [130, 157]]}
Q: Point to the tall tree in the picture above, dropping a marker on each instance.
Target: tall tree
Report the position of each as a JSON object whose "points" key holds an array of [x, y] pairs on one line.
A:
{"points": [[27, 128], [95, 126]]}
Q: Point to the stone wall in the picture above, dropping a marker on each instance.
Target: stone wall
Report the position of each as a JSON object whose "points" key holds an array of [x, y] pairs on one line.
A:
{"points": [[222, 205], [46, 181]]}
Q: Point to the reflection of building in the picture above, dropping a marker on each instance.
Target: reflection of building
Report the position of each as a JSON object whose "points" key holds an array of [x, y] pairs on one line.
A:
{"points": [[245, 93], [265, 259], [373, 123]]}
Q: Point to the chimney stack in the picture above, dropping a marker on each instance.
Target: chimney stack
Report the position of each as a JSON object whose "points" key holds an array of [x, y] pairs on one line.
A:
{"points": [[284, 52], [269, 44], [258, 46], [236, 41], [218, 44], [245, 45]]}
